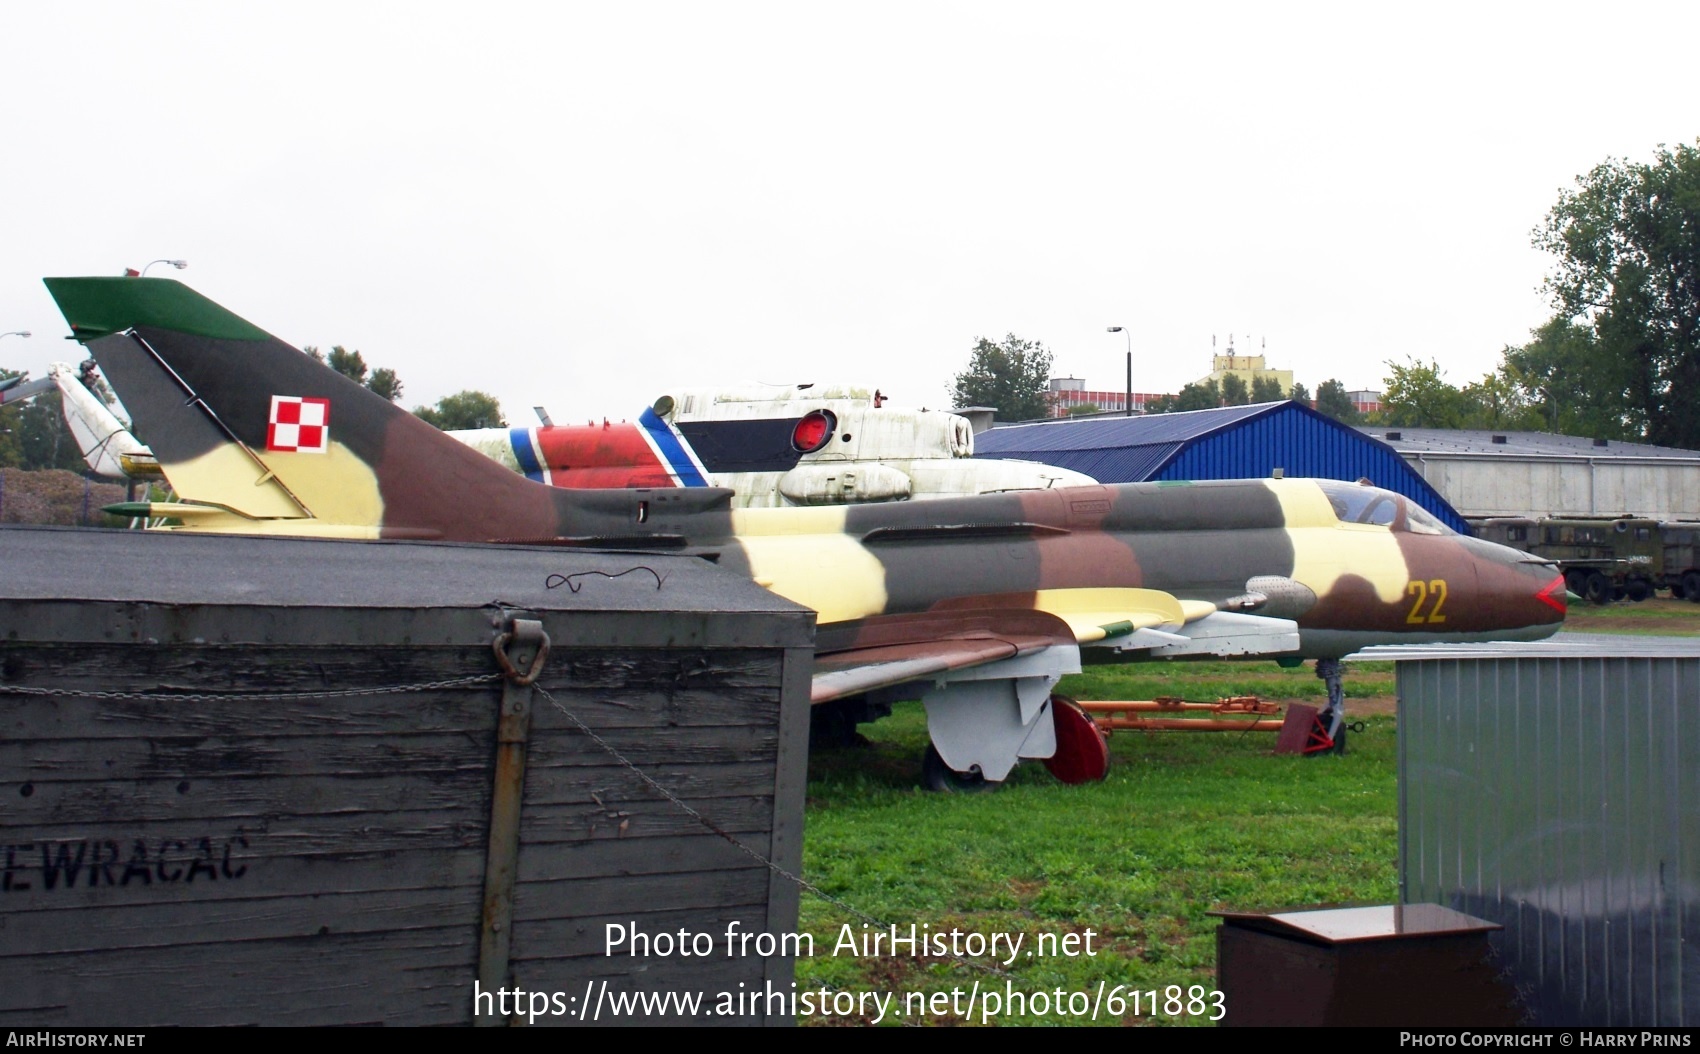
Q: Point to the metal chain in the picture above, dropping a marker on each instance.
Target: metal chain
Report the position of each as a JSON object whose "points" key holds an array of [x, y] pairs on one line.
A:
{"points": [[234, 697], [466, 682], [697, 816], [801, 883]]}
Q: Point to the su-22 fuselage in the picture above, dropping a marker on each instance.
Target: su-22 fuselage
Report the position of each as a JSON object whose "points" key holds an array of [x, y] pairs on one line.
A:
{"points": [[1282, 548], [979, 604]]}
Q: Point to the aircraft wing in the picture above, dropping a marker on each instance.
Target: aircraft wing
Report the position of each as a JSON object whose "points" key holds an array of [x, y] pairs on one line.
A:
{"points": [[15, 391], [887, 650], [1153, 621], [877, 652]]}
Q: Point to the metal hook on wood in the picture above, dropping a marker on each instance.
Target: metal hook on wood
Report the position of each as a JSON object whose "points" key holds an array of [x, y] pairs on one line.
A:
{"points": [[526, 633]]}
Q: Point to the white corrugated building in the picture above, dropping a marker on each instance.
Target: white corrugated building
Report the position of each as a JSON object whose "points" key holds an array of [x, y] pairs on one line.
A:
{"points": [[1484, 473]]}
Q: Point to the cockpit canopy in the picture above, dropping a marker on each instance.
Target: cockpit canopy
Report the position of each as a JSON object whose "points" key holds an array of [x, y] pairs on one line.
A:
{"points": [[1361, 503]]}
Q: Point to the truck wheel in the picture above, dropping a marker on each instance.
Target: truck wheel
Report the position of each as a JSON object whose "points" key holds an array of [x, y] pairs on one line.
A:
{"points": [[1691, 586], [1597, 588], [1638, 589]]}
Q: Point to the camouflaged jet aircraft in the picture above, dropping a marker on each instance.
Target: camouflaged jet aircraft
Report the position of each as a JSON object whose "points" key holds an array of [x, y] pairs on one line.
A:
{"points": [[977, 604]]}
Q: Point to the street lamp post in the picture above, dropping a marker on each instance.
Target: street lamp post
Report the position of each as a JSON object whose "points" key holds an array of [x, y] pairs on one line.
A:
{"points": [[179, 264], [1127, 407]]}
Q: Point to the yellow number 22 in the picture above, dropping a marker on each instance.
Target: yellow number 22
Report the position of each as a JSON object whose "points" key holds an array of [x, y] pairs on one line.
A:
{"points": [[1435, 587]]}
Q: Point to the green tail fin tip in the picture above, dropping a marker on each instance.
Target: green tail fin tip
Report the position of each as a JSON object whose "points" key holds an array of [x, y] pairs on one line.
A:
{"points": [[96, 307]]}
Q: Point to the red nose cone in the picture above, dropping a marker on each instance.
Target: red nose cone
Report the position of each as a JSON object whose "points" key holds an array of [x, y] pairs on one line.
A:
{"points": [[1553, 595]]}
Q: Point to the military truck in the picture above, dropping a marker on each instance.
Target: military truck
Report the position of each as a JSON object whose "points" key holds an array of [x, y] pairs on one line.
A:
{"points": [[1606, 558], [1682, 559]]}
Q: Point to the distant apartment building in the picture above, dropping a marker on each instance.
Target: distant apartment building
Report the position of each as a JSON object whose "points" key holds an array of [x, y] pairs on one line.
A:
{"points": [[1248, 368], [1069, 392]]}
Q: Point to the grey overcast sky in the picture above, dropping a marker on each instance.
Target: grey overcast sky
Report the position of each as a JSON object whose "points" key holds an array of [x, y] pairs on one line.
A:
{"points": [[584, 204]]}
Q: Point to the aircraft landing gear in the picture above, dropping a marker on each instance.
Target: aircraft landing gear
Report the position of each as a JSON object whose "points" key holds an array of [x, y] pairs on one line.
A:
{"points": [[937, 776], [985, 719], [1083, 754], [1333, 717]]}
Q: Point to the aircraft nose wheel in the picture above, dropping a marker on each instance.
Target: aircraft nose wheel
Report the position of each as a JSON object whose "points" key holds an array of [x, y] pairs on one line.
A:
{"points": [[937, 776], [1331, 723]]}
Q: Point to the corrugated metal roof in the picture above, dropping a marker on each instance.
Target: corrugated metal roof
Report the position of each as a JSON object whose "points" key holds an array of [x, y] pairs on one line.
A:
{"points": [[1114, 464], [1528, 444], [1563, 646], [1095, 433], [1233, 442]]}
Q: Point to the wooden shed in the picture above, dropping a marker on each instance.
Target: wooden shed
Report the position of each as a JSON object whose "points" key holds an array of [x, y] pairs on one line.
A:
{"points": [[288, 782]]}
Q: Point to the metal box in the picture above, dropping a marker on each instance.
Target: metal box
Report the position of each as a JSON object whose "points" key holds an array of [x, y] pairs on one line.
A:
{"points": [[1410, 966]]}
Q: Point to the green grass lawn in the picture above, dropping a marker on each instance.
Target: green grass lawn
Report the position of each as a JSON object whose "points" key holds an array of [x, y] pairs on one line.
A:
{"points": [[1185, 822], [1660, 615]]}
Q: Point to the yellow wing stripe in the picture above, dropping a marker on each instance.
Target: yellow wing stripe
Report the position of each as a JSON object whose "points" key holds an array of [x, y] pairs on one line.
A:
{"points": [[1096, 614]]}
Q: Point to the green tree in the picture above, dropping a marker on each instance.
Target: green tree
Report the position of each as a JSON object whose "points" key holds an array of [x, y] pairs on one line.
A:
{"points": [[1160, 404], [1300, 394], [1012, 376], [1266, 390], [1627, 242], [1332, 401], [34, 435], [1573, 388], [350, 364], [385, 382], [1234, 390], [1204, 396], [1417, 396], [1499, 402], [1080, 409], [462, 410]]}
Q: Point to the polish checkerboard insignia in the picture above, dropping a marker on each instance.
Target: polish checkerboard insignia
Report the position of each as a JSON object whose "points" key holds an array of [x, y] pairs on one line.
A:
{"points": [[299, 425]]}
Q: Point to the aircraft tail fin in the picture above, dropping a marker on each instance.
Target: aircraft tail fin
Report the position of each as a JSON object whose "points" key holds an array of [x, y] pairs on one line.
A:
{"points": [[97, 307], [240, 420]]}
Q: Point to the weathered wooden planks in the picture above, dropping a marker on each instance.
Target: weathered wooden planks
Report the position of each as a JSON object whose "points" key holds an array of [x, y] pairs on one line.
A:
{"points": [[264, 857]]}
